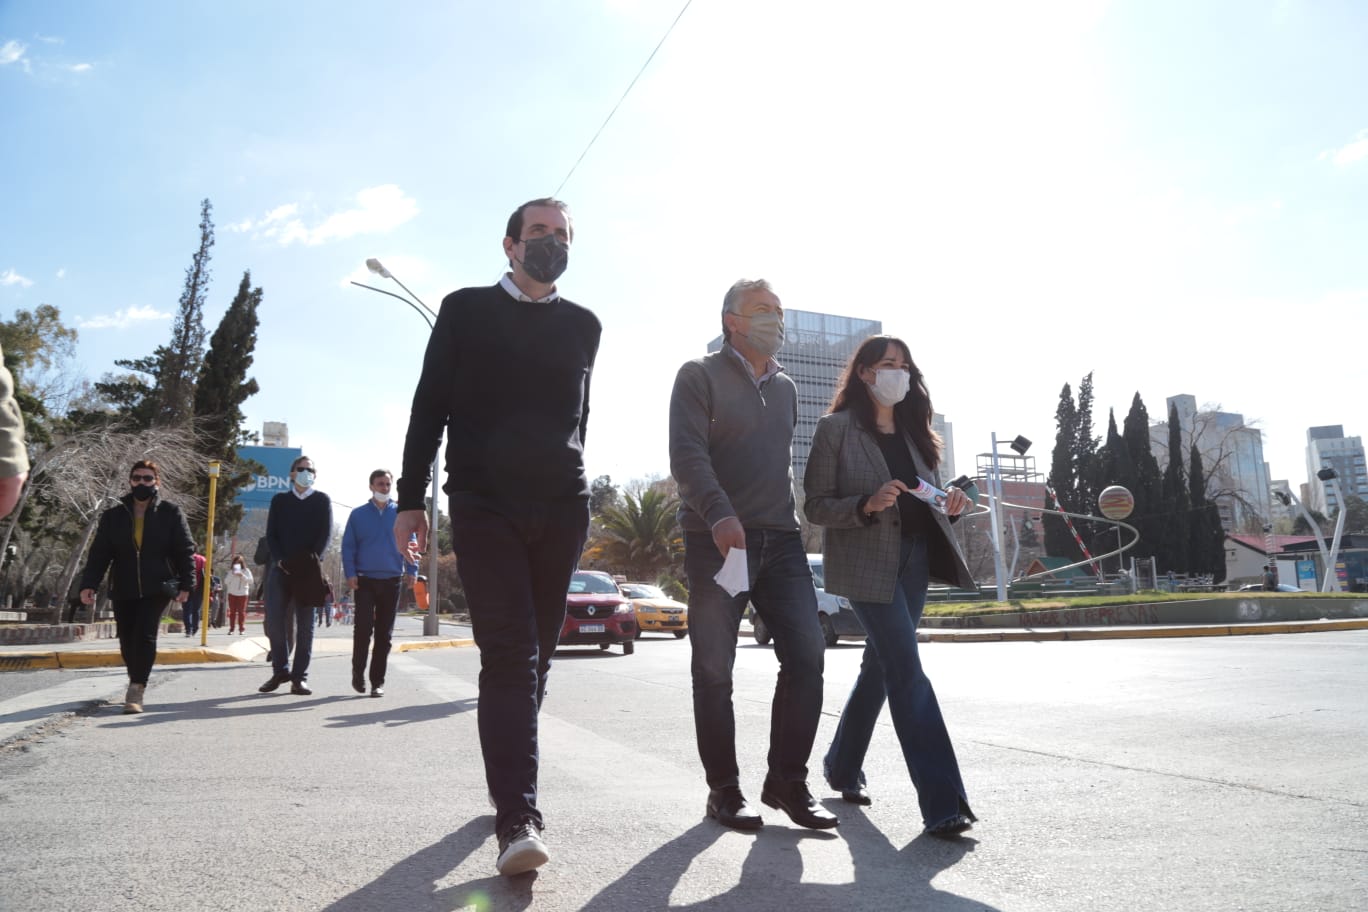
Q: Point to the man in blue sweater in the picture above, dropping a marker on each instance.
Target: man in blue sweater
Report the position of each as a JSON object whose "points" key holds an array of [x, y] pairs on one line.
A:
{"points": [[506, 375], [298, 527], [374, 567]]}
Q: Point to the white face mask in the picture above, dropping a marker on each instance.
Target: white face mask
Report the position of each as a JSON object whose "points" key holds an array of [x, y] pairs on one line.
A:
{"points": [[380, 497], [237, 568], [890, 386], [304, 478]]}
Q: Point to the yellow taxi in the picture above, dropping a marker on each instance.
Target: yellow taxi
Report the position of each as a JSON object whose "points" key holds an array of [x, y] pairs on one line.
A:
{"points": [[656, 612]]}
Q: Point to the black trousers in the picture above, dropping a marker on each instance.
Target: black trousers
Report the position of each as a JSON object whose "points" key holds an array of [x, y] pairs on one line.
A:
{"points": [[377, 602], [138, 621], [515, 563]]}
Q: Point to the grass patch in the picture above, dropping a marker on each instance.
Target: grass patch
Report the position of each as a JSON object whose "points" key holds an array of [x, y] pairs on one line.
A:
{"points": [[1144, 597]]}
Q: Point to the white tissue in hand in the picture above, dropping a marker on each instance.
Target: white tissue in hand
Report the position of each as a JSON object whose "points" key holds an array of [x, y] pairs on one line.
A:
{"points": [[734, 577]]}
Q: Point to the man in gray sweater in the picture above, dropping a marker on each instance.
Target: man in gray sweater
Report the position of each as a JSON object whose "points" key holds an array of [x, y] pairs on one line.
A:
{"points": [[732, 415]]}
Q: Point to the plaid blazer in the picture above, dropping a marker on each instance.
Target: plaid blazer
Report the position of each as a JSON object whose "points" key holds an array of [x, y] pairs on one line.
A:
{"points": [[860, 559]]}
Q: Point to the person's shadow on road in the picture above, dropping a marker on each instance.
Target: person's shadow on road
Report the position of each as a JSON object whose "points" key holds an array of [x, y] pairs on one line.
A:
{"points": [[411, 885], [771, 876]]}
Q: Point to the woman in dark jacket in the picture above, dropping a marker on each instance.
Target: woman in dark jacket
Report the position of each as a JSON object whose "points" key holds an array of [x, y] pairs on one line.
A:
{"points": [[882, 545], [148, 543]]}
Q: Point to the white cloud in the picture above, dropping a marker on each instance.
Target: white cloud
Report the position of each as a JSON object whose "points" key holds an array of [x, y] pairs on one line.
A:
{"points": [[81, 67], [1354, 151], [122, 318], [13, 52], [50, 39], [61, 273], [379, 209], [10, 277]]}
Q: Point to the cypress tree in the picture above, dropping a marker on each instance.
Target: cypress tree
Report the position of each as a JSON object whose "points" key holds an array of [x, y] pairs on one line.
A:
{"points": [[1058, 540], [221, 388], [1207, 546], [180, 362], [1174, 550], [1147, 484]]}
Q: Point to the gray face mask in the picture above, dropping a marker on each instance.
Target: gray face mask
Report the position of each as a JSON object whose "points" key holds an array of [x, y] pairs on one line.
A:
{"points": [[766, 333]]}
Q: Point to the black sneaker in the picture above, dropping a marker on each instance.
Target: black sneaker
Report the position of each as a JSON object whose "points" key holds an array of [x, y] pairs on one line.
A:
{"points": [[521, 849]]}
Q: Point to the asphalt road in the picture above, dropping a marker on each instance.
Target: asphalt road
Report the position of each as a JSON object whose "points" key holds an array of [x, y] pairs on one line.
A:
{"points": [[1204, 774]]}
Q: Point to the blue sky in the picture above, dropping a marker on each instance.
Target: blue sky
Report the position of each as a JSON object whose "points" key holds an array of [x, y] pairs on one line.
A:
{"points": [[1169, 194]]}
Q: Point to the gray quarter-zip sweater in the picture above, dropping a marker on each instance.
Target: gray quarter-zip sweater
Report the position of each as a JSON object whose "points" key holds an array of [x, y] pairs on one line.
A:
{"points": [[731, 444]]}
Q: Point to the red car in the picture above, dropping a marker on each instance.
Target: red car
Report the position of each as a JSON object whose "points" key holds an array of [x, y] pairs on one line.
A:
{"points": [[597, 614]]}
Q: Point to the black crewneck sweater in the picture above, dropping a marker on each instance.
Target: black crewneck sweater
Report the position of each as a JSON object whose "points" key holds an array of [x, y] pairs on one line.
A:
{"points": [[509, 381]]}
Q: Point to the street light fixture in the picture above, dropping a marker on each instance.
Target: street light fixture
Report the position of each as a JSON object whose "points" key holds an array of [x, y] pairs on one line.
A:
{"points": [[1327, 475], [1287, 498], [1019, 445], [430, 624]]}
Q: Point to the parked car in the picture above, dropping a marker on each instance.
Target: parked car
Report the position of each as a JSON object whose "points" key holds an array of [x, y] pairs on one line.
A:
{"points": [[656, 612], [597, 614], [833, 612], [1258, 587]]}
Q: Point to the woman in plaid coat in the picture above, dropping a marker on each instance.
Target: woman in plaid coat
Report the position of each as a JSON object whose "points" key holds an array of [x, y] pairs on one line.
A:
{"points": [[882, 547]]}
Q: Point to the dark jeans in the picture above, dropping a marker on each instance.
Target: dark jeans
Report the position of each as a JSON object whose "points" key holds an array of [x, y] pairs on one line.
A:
{"points": [[190, 611], [515, 563], [138, 622], [377, 602], [784, 597], [281, 611], [893, 668]]}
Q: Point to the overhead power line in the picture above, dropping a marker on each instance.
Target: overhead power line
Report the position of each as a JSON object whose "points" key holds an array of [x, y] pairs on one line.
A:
{"points": [[627, 92]]}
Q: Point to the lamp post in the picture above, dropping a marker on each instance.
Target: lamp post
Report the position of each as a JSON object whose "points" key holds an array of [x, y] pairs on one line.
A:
{"points": [[1020, 445], [1288, 498], [430, 625], [1328, 475]]}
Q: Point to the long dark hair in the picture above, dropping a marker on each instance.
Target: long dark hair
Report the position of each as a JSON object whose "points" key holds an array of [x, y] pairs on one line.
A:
{"points": [[912, 415]]}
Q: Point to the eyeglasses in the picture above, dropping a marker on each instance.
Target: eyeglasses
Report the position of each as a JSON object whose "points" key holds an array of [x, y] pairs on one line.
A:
{"points": [[142, 477]]}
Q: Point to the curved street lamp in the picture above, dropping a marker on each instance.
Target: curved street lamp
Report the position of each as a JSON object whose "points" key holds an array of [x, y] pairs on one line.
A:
{"points": [[430, 624]]}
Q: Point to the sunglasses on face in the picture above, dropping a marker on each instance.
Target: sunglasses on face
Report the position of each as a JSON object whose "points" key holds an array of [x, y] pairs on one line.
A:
{"points": [[146, 478]]}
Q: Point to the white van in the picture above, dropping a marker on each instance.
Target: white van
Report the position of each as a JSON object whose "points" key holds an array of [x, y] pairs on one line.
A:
{"points": [[833, 612]]}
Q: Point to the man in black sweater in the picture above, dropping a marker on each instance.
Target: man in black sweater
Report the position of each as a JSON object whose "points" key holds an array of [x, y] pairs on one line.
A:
{"points": [[507, 375], [298, 527]]}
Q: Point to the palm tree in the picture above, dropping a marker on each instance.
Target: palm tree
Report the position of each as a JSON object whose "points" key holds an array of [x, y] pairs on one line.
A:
{"points": [[640, 538]]}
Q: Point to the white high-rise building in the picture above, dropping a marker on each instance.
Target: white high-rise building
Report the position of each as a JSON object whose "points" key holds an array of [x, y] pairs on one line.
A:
{"points": [[1327, 447], [1232, 461]]}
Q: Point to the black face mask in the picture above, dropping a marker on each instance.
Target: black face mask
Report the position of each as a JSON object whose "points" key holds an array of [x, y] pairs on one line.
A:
{"points": [[144, 491], [545, 258]]}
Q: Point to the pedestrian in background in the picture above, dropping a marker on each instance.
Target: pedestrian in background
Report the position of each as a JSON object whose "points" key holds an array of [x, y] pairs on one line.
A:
{"points": [[190, 612], [298, 526], [881, 548], [374, 567], [507, 373], [239, 589], [147, 542], [732, 415]]}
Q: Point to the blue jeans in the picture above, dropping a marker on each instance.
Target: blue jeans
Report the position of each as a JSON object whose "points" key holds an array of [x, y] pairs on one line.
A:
{"points": [[892, 668], [783, 595], [281, 610], [515, 564], [190, 611]]}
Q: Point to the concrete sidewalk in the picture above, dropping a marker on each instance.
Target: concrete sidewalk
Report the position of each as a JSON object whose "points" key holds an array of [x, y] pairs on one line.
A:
{"points": [[176, 649]]}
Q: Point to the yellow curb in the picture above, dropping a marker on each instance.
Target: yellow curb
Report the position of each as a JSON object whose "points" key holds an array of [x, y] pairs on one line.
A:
{"points": [[432, 644], [88, 659], [29, 662], [194, 656]]}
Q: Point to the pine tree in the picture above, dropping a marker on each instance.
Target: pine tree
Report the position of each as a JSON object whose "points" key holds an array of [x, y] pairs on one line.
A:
{"points": [[1174, 550], [1085, 452], [179, 363], [1111, 466], [1058, 540], [220, 390]]}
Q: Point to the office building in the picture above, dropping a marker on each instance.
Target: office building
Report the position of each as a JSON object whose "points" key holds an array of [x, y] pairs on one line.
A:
{"points": [[1232, 461], [1327, 447]]}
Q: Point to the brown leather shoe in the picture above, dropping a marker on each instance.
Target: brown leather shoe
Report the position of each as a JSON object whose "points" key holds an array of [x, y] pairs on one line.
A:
{"points": [[729, 807]]}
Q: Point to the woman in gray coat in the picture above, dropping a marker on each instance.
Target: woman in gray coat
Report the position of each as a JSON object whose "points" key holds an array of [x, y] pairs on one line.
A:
{"points": [[882, 546]]}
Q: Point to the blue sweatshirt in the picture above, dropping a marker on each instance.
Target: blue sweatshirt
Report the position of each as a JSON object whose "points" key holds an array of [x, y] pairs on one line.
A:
{"points": [[368, 547]]}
